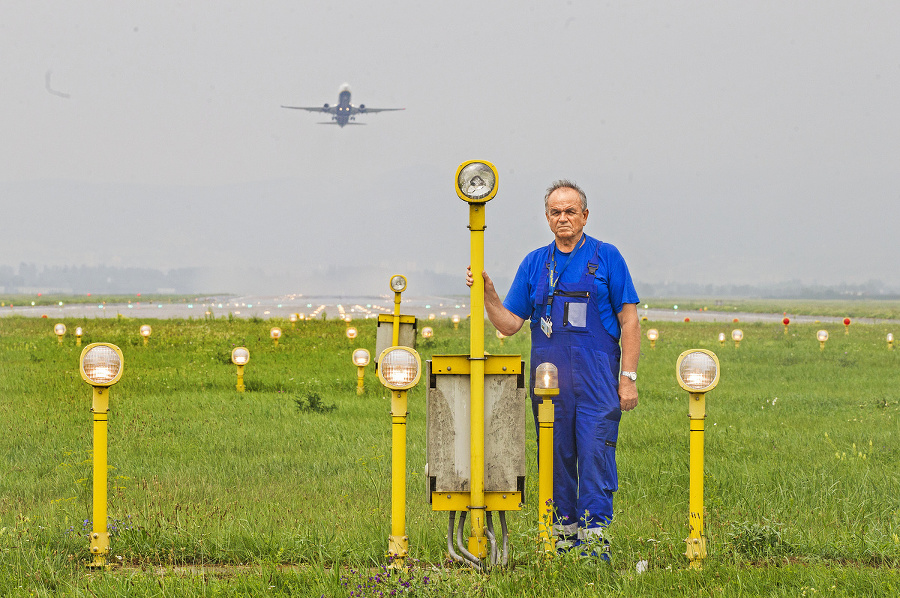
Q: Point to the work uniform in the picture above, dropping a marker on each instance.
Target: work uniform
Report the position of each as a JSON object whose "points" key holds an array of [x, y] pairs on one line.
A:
{"points": [[580, 294]]}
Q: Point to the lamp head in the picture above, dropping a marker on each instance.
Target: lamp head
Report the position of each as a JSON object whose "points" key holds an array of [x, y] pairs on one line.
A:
{"points": [[399, 368], [240, 356], [398, 283], [822, 336], [361, 357], [275, 333], [59, 329], [652, 334], [476, 181], [101, 364], [427, 332], [697, 370], [146, 330], [546, 379], [737, 334], [351, 333]]}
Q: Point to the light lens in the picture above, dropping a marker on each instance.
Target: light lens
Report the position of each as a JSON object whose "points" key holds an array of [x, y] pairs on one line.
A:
{"points": [[737, 334], [59, 329], [822, 335], [455, 318], [399, 368], [240, 356], [146, 330], [890, 337], [275, 333], [101, 365], [546, 376], [476, 180], [427, 332], [292, 318], [79, 331], [698, 370], [721, 337], [361, 357], [351, 333], [652, 334], [398, 283]]}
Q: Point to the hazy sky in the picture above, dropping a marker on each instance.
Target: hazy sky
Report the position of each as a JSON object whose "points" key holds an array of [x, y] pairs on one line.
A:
{"points": [[718, 142]]}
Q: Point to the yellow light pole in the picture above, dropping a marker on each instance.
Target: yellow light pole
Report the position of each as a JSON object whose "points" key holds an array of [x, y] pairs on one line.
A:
{"points": [[846, 325], [60, 331], [698, 373], [652, 336], [546, 385], [476, 184], [78, 334], [822, 336], [787, 322], [398, 285], [360, 360], [399, 369], [275, 334], [146, 331], [722, 339], [101, 366], [239, 357], [890, 340]]}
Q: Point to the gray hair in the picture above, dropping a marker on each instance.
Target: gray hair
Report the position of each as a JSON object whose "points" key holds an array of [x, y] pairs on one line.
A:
{"points": [[561, 184]]}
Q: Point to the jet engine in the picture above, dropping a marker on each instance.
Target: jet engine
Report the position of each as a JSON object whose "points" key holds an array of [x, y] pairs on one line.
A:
{"points": [[326, 106], [362, 107]]}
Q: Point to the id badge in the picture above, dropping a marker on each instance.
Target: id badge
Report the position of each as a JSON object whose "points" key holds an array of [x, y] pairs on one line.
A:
{"points": [[547, 326]]}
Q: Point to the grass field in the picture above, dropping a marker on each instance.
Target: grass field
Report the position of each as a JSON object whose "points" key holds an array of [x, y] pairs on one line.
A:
{"points": [[285, 489]]}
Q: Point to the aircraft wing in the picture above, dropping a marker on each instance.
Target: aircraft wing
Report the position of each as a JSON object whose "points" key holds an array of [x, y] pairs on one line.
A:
{"points": [[328, 110], [366, 110]]}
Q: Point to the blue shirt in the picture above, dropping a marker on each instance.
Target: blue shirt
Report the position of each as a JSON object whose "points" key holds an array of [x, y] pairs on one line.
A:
{"points": [[612, 279]]}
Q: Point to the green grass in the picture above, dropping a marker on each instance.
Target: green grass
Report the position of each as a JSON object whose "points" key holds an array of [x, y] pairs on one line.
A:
{"points": [[285, 489]]}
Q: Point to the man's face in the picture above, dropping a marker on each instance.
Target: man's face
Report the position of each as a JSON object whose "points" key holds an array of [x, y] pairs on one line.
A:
{"points": [[565, 216]]}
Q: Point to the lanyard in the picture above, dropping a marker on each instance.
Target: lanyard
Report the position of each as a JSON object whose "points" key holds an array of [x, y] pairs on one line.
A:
{"points": [[552, 269]]}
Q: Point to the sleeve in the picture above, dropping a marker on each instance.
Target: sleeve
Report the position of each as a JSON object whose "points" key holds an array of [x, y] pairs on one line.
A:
{"points": [[621, 287], [519, 299]]}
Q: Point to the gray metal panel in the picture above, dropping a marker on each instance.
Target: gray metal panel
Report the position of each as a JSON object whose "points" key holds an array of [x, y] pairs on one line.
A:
{"points": [[447, 429], [384, 334]]}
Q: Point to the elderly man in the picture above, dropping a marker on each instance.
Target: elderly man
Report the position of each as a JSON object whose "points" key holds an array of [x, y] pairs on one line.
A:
{"points": [[582, 304]]}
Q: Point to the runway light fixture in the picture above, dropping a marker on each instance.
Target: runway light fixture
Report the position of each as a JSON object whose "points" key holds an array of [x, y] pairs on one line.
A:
{"points": [[476, 181], [653, 336], [786, 322], [697, 371], [546, 386], [78, 334], [275, 334], [101, 366], [890, 340], [722, 338], [427, 332], [60, 331], [846, 325], [455, 319], [737, 335], [292, 318], [360, 360], [399, 368], [822, 336], [351, 333], [240, 356], [398, 283], [146, 331]]}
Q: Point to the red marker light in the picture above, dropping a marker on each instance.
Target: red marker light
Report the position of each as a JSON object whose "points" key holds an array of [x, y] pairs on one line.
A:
{"points": [[786, 321]]}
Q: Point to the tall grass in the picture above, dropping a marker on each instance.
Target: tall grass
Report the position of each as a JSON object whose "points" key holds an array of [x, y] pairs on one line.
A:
{"points": [[285, 488]]}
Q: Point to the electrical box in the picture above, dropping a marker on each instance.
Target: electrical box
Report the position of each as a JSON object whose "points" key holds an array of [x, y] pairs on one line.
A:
{"points": [[384, 335]]}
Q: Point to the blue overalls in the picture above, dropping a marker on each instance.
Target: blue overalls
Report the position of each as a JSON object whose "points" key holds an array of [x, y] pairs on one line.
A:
{"points": [[587, 410]]}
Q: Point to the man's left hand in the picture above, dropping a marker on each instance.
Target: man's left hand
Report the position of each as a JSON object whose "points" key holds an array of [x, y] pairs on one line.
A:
{"points": [[628, 393]]}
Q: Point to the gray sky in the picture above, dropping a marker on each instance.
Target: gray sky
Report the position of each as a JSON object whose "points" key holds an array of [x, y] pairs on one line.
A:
{"points": [[718, 142]]}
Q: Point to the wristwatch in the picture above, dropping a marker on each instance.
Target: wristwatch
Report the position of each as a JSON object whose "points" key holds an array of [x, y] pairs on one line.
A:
{"points": [[631, 375]]}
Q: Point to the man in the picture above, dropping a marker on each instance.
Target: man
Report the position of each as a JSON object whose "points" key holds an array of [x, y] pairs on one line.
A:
{"points": [[582, 304]]}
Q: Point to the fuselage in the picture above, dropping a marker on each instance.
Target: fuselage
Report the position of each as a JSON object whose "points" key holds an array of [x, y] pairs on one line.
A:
{"points": [[343, 110]]}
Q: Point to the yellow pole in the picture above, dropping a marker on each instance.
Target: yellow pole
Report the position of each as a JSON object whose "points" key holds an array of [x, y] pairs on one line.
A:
{"points": [[545, 473], [240, 378], [99, 535], [398, 543], [696, 541], [146, 341], [395, 332], [77, 341], [477, 543], [360, 374]]}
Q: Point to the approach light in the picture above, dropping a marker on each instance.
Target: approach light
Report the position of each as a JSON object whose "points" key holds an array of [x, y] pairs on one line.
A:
{"points": [[427, 332], [737, 335], [146, 331], [351, 333], [546, 386], [398, 283], [399, 368], [60, 331], [476, 181], [360, 360], [78, 334], [697, 371], [687, 319], [546, 378], [822, 336], [455, 319], [240, 356], [890, 340], [652, 336], [846, 325], [292, 318], [101, 364], [431, 316], [275, 334], [786, 322]]}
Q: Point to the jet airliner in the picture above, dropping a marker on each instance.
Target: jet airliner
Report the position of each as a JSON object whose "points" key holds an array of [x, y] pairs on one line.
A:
{"points": [[344, 113]]}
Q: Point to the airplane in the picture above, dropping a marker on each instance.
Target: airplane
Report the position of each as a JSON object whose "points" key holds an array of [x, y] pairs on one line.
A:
{"points": [[345, 112]]}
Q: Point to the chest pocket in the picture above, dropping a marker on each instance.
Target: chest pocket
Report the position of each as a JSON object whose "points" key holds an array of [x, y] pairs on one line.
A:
{"points": [[575, 306]]}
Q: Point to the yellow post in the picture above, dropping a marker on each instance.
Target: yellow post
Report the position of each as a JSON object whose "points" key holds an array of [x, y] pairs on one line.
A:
{"points": [[696, 540], [240, 378], [477, 543], [546, 417], [395, 332], [99, 535], [360, 374], [398, 543]]}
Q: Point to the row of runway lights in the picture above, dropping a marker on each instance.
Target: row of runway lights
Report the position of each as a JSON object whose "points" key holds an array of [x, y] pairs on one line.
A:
{"points": [[737, 335]]}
